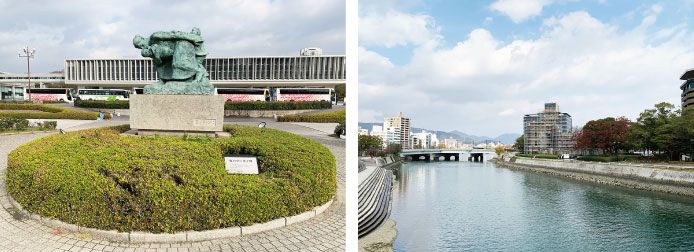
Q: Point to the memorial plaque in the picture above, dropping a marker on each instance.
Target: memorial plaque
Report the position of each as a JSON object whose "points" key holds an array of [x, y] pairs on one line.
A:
{"points": [[239, 164]]}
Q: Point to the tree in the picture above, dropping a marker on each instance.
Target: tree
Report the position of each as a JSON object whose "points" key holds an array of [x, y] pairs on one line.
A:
{"points": [[393, 148], [340, 91], [607, 134], [417, 146], [677, 136], [499, 149], [647, 132], [520, 143], [370, 144]]}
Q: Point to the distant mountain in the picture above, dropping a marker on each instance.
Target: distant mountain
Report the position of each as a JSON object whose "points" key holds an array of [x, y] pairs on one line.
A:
{"points": [[508, 138]]}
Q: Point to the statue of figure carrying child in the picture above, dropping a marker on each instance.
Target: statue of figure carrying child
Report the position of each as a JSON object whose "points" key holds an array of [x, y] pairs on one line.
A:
{"points": [[177, 58]]}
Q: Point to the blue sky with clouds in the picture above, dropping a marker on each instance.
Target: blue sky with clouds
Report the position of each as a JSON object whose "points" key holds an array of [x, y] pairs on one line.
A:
{"points": [[62, 30], [479, 66]]}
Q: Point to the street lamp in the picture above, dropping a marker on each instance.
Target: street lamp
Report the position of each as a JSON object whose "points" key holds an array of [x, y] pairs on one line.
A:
{"points": [[28, 54]]}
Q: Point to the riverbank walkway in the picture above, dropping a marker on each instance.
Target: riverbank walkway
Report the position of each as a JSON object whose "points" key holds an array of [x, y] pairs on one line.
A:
{"points": [[325, 232]]}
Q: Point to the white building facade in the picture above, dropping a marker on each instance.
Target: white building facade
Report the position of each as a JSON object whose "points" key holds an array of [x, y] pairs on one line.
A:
{"points": [[388, 135]]}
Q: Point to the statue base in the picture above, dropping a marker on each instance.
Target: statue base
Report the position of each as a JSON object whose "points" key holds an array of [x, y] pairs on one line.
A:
{"points": [[194, 113]]}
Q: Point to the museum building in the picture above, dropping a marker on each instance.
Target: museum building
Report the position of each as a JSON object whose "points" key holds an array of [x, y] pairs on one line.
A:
{"points": [[247, 72]]}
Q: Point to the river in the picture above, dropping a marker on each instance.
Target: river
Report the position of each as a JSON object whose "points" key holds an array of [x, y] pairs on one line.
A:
{"points": [[454, 206]]}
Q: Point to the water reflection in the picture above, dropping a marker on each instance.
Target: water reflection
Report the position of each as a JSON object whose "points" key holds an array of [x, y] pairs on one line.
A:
{"points": [[475, 206]]}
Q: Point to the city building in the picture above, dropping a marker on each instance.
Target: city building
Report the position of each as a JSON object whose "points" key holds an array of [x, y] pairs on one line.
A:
{"points": [[388, 135], [424, 139], [687, 88], [311, 51], [548, 132], [404, 125], [363, 132], [12, 85], [325, 71], [451, 143]]}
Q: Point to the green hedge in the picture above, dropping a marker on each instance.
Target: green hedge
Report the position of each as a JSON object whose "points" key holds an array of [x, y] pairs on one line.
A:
{"points": [[48, 112], [340, 129], [255, 105], [7, 124], [117, 104], [329, 117], [98, 178], [608, 158], [545, 156]]}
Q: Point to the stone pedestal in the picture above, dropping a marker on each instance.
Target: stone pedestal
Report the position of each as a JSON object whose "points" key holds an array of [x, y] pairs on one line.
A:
{"points": [[177, 113]]}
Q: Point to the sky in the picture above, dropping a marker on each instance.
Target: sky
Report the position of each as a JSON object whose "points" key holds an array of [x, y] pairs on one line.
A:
{"points": [[62, 30], [479, 66]]}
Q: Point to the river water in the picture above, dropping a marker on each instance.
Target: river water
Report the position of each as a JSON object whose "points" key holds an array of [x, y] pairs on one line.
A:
{"points": [[454, 206]]}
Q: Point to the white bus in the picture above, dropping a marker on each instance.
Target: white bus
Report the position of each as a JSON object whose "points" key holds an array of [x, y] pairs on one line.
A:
{"points": [[103, 94], [305, 94], [137, 91], [49, 94], [243, 94]]}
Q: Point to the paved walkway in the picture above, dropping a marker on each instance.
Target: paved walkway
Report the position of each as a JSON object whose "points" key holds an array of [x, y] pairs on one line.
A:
{"points": [[325, 232]]}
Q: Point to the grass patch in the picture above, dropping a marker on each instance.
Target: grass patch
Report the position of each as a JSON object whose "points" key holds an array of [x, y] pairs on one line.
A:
{"points": [[48, 112], [117, 104], [261, 105], [329, 117], [98, 178]]}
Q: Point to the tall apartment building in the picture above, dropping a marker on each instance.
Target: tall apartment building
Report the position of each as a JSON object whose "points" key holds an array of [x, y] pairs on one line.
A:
{"points": [[404, 125], [548, 132], [687, 89]]}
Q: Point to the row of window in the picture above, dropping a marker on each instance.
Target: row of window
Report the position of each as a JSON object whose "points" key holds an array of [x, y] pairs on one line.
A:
{"points": [[285, 68]]}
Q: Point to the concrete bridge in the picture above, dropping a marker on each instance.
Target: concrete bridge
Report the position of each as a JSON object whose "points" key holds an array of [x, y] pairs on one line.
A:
{"points": [[475, 155]]}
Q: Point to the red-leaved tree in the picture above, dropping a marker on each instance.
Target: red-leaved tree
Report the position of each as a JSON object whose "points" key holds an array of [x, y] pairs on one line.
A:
{"points": [[608, 134]]}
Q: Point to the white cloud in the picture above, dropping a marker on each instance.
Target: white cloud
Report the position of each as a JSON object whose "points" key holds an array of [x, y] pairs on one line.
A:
{"points": [[484, 86], [394, 28], [520, 10], [82, 28]]}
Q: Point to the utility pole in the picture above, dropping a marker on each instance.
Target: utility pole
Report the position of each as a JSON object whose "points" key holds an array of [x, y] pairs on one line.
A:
{"points": [[28, 54]]}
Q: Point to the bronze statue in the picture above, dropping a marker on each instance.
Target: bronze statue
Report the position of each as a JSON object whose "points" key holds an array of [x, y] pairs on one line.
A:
{"points": [[177, 58]]}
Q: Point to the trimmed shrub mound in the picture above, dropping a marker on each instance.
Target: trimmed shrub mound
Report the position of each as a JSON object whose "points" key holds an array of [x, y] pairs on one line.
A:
{"points": [[117, 104], [329, 117], [261, 105], [98, 178], [48, 112]]}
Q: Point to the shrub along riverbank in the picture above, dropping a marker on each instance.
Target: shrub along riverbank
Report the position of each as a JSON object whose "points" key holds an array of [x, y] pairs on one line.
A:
{"points": [[26, 111], [100, 179], [329, 117]]}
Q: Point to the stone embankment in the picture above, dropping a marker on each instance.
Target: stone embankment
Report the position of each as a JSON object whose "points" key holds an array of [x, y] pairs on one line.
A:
{"points": [[636, 176], [375, 200]]}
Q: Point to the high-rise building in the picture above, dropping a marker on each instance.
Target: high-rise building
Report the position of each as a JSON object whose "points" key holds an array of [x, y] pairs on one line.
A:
{"points": [[548, 132], [687, 89], [404, 125]]}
